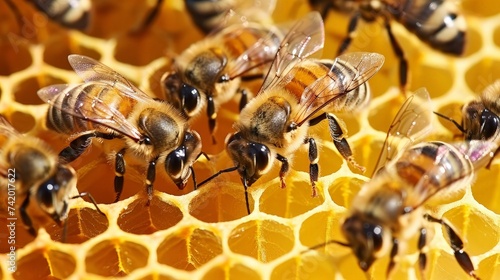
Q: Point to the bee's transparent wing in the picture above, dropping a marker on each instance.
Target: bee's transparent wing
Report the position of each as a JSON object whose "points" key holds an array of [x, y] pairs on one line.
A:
{"points": [[410, 125], [91, 70], [88, 107], [347, 73], [305, 37]]}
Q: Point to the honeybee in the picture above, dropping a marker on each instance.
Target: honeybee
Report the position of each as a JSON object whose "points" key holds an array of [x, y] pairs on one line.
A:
{"points": [[71, 14], [390, 208], [108, 106], [296, 94], [209, 15], [481, 117], [211, 71], [76, 14], [436, 23], [28, 167]]}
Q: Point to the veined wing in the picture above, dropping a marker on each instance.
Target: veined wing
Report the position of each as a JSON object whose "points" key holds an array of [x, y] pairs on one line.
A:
{"points": [[89, 107], [411, 124], [305, 37], [91, 70], [347, 73]]}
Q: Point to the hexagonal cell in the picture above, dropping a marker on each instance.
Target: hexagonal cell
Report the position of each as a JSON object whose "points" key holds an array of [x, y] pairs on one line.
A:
{"points": [[189, 248], [344, 189], [231, 270], [478, 230], [82, 224], [489, 268], [381, 117], [486, 9], [151, 47], [438, 81], [116, 257], [366, 151], [22, 122], [292, 201], [211, 204], [474, 41], [483, 191], [59, 47], [45, 263], [322, 227], [329, 161], [26, 91], [138, 218], [305, 267], [264, 240], [15, 56], [482, 74]]}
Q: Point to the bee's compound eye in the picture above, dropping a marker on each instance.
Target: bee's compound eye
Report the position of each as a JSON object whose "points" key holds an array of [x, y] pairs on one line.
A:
{"points": [[45, 194], [260, 155], [489, 124], [190, 98], [174, 163], [374, 235]]}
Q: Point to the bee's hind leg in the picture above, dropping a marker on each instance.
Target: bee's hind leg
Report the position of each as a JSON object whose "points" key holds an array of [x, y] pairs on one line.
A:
{"points": [[25, 217], [313, 165], [403, 62], [457, 245], [80, 144]]}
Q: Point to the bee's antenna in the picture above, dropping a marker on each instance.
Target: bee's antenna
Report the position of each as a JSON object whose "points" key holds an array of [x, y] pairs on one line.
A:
{"points": [[81, 195], [460, 127], [321, 245], [227, 170]]}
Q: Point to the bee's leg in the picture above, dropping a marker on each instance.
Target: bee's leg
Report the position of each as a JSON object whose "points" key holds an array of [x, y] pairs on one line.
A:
{"points": [[80, 144], [212, 115], [83, 194], [150, 17], [25, 217], [338, 138], [351, 28], [394, 252], [422, 257], [17, 14], [457, 246], [284, 169], [313, 166], [403, 62], [119, 171], [195, 186], [150, 179]]}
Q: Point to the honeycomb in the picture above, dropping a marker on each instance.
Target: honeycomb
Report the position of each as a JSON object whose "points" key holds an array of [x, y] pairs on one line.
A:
{"points": [[207, 234]]}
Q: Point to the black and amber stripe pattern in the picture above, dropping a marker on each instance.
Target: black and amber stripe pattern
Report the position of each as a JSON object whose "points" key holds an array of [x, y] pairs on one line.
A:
{"points": [[436, 22], [328, 75], [74, 109]]}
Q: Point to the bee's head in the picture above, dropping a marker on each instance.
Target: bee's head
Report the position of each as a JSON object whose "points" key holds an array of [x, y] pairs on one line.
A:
{"points": [[53, 194], [181, 95], [178, 163], [366, 238], [479, 123], [253, 159]]}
